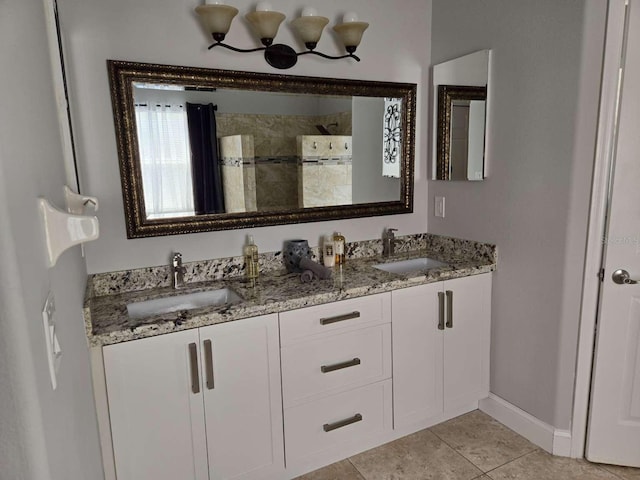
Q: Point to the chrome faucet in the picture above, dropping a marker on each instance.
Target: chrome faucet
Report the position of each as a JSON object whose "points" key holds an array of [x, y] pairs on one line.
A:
{"points": [[177, 270], [389, 242]]}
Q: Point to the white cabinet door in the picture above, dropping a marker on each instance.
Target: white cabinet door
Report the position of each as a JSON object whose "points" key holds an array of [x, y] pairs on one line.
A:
{"points": [[440, 371], [243, 401], [417, 354], [466, 342], [157, 421]]}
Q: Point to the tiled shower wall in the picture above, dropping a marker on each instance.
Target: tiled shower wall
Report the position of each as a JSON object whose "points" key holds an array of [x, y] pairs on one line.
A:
{"points": [[238, 173], [324, 170], [261, 171], [275, 135], [276, 183], [252, 183]]}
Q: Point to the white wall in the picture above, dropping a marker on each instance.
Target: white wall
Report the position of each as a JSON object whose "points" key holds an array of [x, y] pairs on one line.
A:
{"points": [[368, 183], [546, 58], [233, 101], [44, 434], [395, 48]]}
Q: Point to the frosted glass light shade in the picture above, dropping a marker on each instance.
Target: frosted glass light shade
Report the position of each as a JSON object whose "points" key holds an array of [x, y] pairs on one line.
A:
{"points": [[309, 12], [350, 17], [216, 18], [264, 7], [265, 24], [350, 33], [310, 28]]}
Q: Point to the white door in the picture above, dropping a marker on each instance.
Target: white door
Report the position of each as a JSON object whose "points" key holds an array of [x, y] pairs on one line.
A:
{"points": [[156, 409], [242, 397], [614, 420]]}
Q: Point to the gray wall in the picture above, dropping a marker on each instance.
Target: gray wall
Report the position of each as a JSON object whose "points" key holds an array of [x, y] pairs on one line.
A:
{"points": [[44, 434], [534, 204], [395, 48]]}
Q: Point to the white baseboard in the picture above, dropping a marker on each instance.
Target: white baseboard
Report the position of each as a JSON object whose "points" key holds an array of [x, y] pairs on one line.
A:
{"points": [[554, 441], [562, 443]]}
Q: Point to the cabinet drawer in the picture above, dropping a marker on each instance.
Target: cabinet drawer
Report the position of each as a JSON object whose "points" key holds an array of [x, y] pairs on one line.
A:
{"points": [[352, 416], [335, 362], [347, 314]]}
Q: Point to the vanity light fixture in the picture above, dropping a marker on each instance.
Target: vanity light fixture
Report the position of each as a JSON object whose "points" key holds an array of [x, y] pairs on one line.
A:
{"points": [[217, 19]]}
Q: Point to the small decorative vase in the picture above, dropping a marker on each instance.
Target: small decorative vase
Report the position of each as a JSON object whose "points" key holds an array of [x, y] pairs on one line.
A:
{"points": [[293, 252]]}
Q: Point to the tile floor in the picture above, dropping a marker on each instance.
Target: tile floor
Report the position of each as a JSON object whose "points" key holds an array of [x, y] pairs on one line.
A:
{"points": [[473, 446]]}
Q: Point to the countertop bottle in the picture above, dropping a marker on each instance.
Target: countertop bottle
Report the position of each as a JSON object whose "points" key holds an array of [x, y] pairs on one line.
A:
{"points": [[251, 259], [338, 248], [328, 254]]}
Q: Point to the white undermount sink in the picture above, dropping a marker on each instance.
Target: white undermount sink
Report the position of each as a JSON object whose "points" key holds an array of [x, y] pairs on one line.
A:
{"points": [[407, 266], [189, 301]]}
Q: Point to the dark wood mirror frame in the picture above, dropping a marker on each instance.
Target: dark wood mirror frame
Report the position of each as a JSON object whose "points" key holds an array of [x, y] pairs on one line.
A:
{"points": [[446, 95], [123, 74]]}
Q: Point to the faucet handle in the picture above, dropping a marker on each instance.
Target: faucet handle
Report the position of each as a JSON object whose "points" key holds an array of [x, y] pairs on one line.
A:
{"points": [[178, 270], [389, 232]]}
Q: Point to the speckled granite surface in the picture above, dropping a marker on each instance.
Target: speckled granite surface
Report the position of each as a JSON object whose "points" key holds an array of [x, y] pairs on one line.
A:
{"points": [[105, 309]]}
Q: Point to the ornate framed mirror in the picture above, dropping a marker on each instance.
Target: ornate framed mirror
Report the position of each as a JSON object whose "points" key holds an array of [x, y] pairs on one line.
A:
{"points": [[203, 149]]}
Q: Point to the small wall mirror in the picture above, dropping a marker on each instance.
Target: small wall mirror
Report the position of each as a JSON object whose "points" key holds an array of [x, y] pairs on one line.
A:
{"points": [[204, 149], [461, 117]]}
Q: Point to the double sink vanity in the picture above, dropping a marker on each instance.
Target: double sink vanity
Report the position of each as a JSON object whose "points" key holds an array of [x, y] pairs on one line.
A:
{"points": [[222, 380]]}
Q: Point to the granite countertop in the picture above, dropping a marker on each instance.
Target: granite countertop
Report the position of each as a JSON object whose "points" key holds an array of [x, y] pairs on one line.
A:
{"points": [[107, 321]]}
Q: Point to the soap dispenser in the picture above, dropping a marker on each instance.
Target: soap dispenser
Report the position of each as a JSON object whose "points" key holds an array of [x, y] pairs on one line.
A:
{"points": [[338, 248], [251, 266], [328, 255]]}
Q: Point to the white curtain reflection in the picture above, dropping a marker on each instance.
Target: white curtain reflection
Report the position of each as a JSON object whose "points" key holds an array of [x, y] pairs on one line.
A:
{"points": [[165, 160]]}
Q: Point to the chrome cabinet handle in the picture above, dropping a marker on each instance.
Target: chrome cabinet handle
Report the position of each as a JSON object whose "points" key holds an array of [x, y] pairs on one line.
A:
{"points": [[440, 311], [449, 309], [327, 427], [193, 360], [340, 366], [621, 277], [208, 364], [339, 318]]}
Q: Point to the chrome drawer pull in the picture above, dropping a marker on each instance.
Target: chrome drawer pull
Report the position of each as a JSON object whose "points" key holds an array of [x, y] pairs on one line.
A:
{"points": [[193, 360], [208, 364], [440, 310], [327, 427], [339, 366], [449, 309], [339, 318]]}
